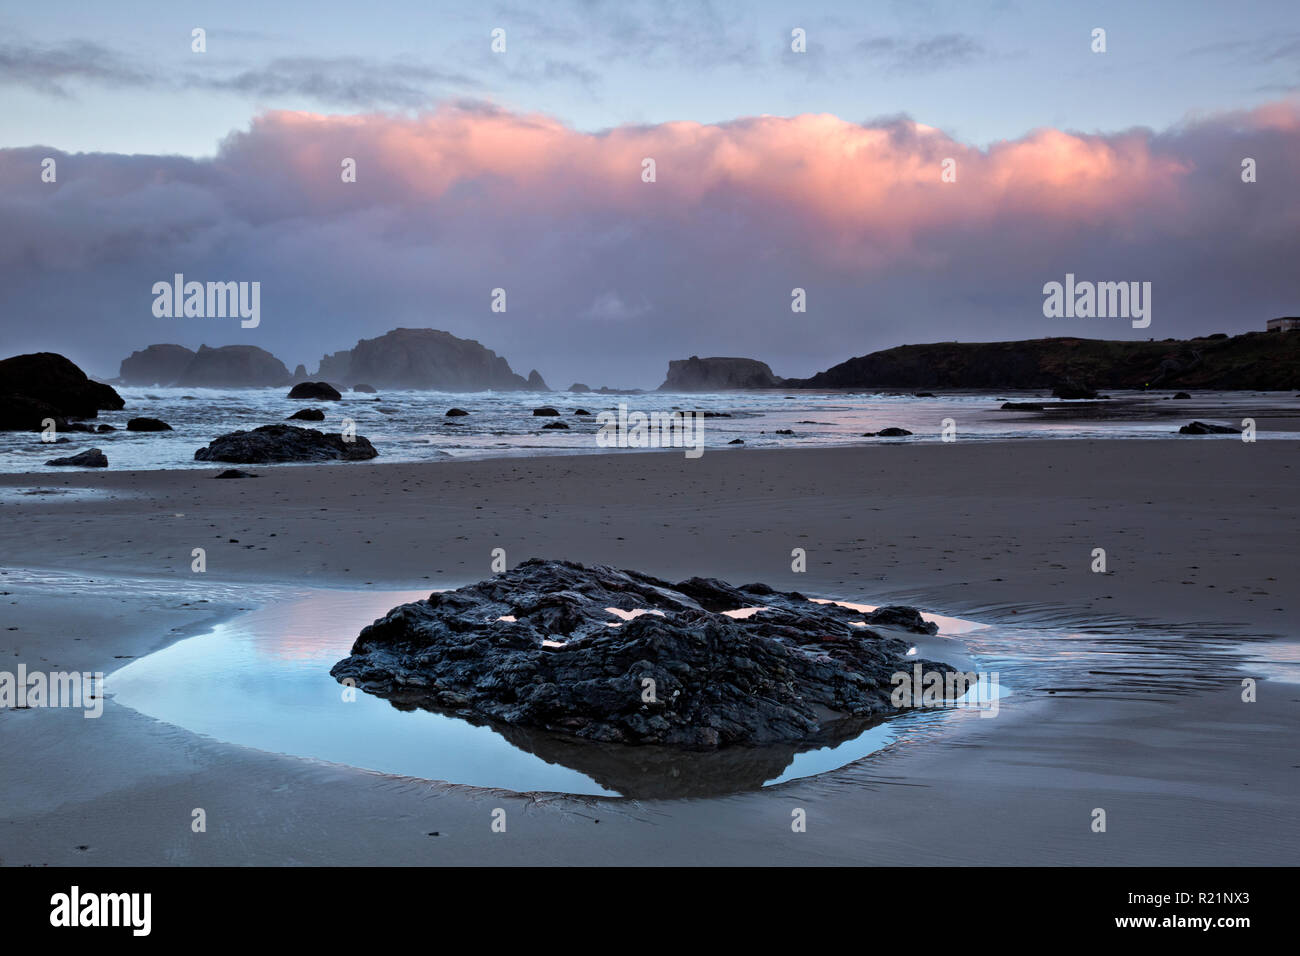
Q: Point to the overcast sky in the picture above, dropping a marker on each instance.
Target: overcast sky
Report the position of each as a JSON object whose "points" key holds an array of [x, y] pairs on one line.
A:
{"points": [[522, 170]]}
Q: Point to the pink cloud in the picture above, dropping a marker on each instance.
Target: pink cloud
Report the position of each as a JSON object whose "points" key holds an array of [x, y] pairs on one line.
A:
{"points": [[819, 170], [455, 202]]}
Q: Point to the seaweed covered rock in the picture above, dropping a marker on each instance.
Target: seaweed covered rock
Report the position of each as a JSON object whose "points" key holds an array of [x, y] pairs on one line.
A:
{"points": [[622, 657]]}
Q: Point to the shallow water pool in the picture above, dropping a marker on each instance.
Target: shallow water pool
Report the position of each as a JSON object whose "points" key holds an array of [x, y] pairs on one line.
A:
{"points": [[262, 680]]}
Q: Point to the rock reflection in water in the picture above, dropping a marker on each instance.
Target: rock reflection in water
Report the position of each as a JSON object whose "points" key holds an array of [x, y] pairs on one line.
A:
{"points": [[649, 772]]}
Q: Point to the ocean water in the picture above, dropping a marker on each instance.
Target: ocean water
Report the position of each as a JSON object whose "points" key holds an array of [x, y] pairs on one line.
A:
{"points": [[410, 426]]}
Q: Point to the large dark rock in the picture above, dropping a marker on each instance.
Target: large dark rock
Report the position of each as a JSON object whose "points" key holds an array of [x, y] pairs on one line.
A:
{"points": [[92, 458], [234, 366], [1205, 428], [155, 365], [545, 411], [534, 647], [716, 374], [143, 424], [423, 359], [315, 390], [281, 443], [44, 385], [536, 382], [307, 415], [24, 413]]}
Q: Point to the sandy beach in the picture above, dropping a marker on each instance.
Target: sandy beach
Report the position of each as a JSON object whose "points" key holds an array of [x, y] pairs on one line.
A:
{"points": [[1200, 592]]}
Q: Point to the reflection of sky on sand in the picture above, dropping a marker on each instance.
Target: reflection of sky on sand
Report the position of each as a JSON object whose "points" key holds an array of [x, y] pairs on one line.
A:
{"points": [[262, 680], [1273, 660], [12, 495], [300, 624], [947, 625]]}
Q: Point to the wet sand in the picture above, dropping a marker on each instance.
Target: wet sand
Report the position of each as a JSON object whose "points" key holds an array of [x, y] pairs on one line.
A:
{"points": [[1199, 536]]}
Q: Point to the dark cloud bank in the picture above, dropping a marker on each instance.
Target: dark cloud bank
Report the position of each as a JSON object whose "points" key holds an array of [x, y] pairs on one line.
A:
{"points": [[608, 277]]}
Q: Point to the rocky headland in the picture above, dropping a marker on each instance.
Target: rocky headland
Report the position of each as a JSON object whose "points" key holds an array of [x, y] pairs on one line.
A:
{"points": [[1077, 366]]}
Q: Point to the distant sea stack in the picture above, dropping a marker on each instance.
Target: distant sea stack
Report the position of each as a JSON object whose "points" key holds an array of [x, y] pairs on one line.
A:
{"points": [[1255, 360], [718, 374], [230, 366], [155, 365], [45, 385], [422, 358], [235, 366], [334, 367]]}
